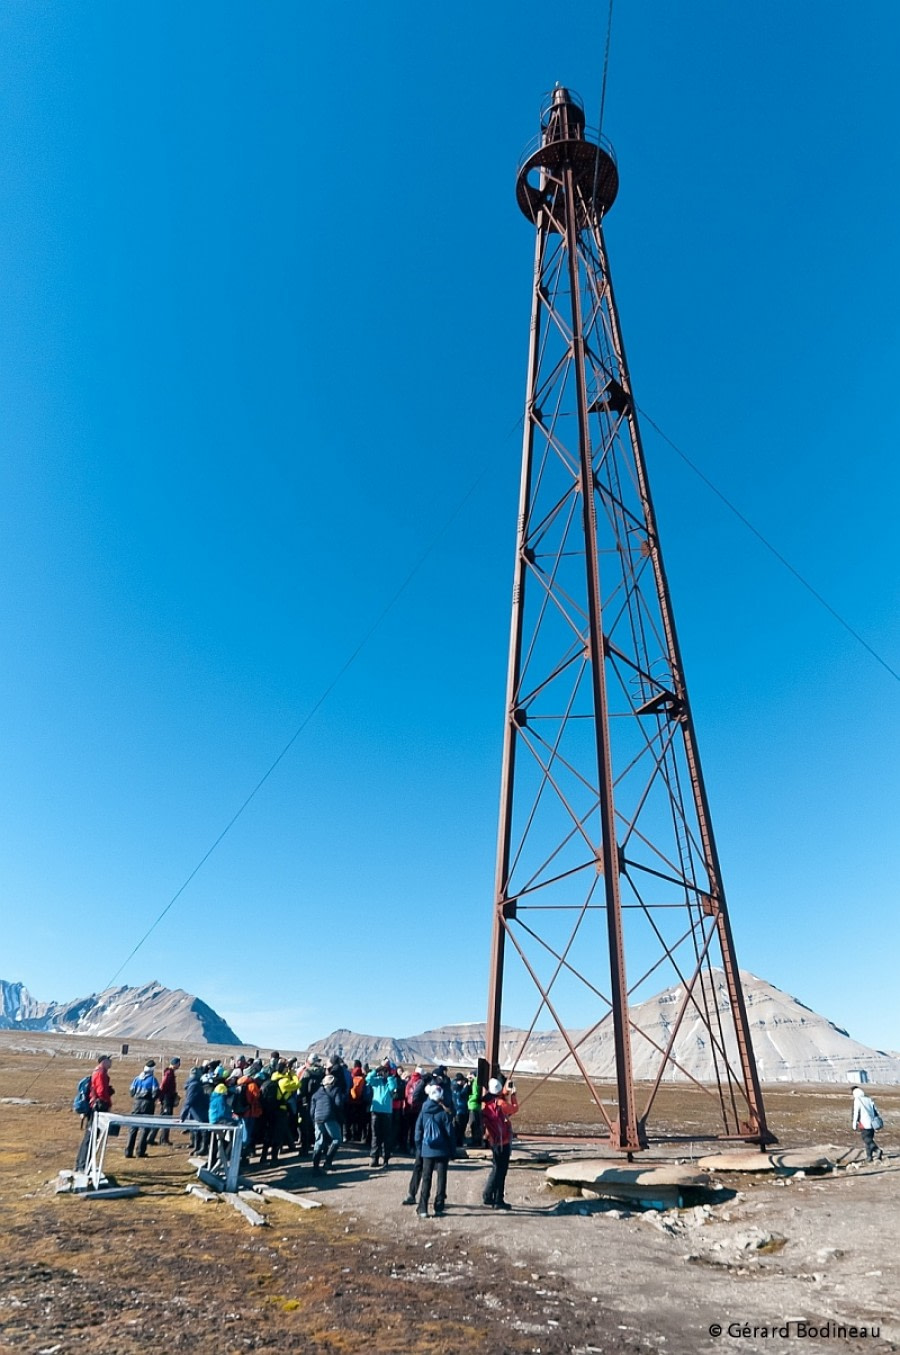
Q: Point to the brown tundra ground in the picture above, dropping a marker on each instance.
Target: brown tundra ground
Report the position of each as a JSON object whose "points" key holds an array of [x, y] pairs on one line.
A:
{"points": [[802, 1263]]}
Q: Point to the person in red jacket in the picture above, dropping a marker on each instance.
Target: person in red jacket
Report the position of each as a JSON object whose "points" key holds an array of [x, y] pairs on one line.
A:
{"points": [[100, 1095], [168, 1097], [499, 1104]]}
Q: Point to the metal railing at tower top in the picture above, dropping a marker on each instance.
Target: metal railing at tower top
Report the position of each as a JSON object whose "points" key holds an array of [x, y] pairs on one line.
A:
{"points": [[591, 136]]}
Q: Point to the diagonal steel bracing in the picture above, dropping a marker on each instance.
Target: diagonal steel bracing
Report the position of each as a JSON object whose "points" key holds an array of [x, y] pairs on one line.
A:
{"points": [[604, 819]]}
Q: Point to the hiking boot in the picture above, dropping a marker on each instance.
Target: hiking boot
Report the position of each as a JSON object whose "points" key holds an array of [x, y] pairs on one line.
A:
{"points": [[410, 1199], [421, 1213], [502, 1204], [438, 1209]]}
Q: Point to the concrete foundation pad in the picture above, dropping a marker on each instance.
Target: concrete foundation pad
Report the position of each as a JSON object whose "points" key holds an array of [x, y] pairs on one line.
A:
{"points": [[822, 1158], [662, 1187]]}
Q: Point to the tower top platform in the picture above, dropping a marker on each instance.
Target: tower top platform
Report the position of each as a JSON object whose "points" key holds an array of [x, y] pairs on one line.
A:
{"points": [[565, 142]]}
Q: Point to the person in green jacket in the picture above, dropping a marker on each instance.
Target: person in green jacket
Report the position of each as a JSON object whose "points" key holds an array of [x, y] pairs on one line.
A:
{"points": [[476, 1130]]}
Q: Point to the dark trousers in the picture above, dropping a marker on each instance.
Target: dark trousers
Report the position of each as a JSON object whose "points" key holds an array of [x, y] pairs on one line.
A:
{"points": [[140, 1108], [274, 1129], [357, 1120], [459, 1124], [84, 1146], [198, 1139], [476, 1133], [165, 1108], [305, 1127], [871, 1147], [433, 1167], [381, 1136], [416, 1179], [493, 1191]]}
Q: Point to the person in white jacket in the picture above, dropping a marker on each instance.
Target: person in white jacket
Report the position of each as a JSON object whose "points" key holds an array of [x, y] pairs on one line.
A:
{"points": [[866, 1119]]}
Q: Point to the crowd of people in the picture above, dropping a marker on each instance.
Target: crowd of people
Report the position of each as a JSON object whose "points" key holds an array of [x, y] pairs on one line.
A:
{"points": [[312, 1107]]}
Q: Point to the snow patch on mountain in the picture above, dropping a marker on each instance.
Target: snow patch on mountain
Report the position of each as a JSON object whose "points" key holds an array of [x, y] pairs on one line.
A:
{"points": [[147, 1012]]}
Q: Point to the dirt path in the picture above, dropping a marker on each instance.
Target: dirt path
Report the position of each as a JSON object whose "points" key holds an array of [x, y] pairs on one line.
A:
{"points": [[803, 1250], [552, 1277]]}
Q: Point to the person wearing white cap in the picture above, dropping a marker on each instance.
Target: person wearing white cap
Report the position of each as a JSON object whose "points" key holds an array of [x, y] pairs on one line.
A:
{"points": [[499, 1104], [867, 1120], [435, 1145], [145, 1093]]}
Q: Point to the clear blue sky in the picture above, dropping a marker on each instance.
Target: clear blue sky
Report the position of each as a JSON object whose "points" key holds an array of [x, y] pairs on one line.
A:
{"points": [[263, 330]]}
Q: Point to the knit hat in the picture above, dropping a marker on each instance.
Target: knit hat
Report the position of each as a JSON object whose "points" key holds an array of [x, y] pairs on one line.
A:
{"points": [[328, 1080], [433, 1091], [495, 1086]]}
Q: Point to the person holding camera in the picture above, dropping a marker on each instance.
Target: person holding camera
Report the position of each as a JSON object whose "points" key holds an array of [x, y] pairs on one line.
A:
{"points": [[499, 1105]]}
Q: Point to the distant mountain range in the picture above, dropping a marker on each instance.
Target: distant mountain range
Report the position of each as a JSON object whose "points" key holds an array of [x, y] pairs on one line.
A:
{"points": [[791, 1042], [146, 1013]]}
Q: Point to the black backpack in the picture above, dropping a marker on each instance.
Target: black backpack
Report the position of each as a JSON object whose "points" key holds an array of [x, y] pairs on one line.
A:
{"points": [[268, 1094]]}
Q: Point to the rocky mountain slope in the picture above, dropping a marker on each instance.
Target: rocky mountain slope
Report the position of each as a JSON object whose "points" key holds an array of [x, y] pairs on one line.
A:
{"points": [[791, 1042], [148, 1012]]}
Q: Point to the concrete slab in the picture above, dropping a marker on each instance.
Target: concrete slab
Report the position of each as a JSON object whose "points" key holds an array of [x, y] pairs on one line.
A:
{"points": [[660, 1187], [818, 1159], [275, 1193], [240, 1203], [111, 1193]]}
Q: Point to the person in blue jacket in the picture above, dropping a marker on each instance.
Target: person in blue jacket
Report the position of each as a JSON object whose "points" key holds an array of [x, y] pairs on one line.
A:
{"points": [[220, 1112], [435, 1144], [460, 1091], [196, 1107], [382, 1083], [145, 1094]]}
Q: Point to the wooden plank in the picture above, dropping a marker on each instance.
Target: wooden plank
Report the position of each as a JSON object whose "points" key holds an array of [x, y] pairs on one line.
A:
{"points": [[250, 1214]]}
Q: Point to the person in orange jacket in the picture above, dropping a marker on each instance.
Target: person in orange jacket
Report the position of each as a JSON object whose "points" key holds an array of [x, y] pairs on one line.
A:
{"points": [[498, 1106]]}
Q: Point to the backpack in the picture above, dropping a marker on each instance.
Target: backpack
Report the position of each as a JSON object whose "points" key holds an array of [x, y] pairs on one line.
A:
{"points": [[415, 1093], [240, 1102], [433, 1135], [358, 1088], [82, 1102], [268, 1094]]}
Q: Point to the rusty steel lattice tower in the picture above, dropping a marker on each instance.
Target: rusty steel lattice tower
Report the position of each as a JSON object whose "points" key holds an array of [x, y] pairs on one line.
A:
{"points": [[605, 844]]}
